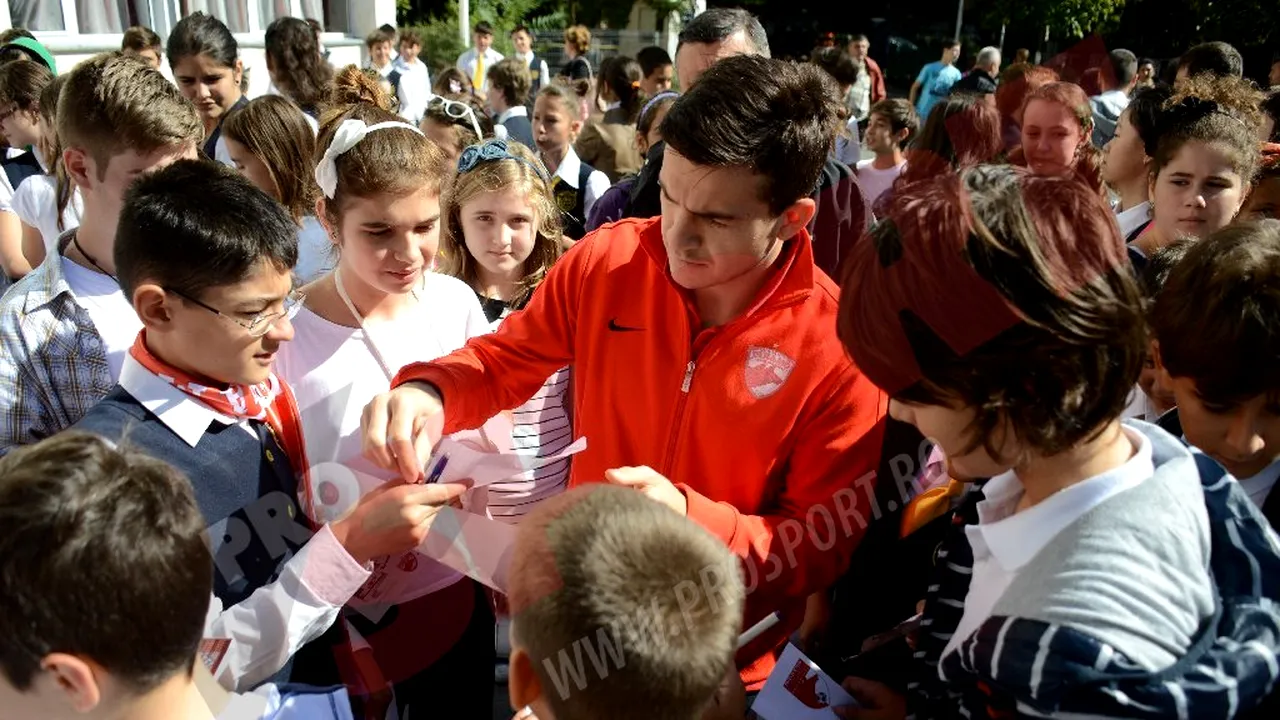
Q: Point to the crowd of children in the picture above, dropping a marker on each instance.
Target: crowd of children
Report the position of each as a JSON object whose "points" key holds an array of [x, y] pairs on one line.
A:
{"points": [[985, 424]]}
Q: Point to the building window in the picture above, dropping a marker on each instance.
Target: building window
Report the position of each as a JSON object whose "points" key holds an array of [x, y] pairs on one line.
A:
{"points": [[92, 17]]}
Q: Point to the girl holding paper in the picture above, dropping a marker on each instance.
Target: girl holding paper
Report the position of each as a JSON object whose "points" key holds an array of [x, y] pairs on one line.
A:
{"points": [[430, 628]]}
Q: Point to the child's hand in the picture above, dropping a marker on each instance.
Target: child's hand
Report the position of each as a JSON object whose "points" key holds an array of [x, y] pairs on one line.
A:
{"points": [[817, 617], [876, 701], [730, 700], [392, 519], [400, 428], [652, 484]]}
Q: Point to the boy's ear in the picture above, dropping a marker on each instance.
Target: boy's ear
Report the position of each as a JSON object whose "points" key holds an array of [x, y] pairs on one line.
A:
{"points": [[80, 168], [796, 217], [76, 679], [151, 303], [1163, 378], [901, 136], [523, 687]]}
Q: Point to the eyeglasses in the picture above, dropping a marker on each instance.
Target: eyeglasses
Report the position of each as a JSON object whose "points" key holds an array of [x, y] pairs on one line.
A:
{"points": [[262, 323], [457, 111]]}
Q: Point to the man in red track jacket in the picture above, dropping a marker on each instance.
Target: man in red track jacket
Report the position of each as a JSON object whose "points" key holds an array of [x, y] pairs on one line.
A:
{"points": [[706, 368]]}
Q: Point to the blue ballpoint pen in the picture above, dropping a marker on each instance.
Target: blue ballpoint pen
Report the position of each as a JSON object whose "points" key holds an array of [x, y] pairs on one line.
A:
{"points": [[437, 471]]}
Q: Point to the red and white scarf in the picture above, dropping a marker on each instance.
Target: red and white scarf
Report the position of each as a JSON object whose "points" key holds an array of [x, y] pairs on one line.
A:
{"points": [[271, 401]]}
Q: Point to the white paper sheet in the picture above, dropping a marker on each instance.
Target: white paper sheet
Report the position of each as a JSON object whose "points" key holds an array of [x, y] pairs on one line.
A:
{"points": [[798, 689]]}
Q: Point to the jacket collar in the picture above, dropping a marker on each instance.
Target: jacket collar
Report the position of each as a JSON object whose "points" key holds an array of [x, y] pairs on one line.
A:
{"points": [[790, 282]]}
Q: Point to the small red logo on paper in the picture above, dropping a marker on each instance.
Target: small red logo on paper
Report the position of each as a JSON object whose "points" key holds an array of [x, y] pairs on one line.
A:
{"points": [[802, 683], [212, 650], [766, 370], [408, 562]]}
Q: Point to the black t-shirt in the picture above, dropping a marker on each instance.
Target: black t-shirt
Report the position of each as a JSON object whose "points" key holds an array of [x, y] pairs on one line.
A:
{"points": [[577, 69], [494, 309], [977, 82]]}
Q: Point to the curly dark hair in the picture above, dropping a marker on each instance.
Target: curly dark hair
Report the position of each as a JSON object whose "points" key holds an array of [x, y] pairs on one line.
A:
{"points": [[297, 67], [1212, 108]]}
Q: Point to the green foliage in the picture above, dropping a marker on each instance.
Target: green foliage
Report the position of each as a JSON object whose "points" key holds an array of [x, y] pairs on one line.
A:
{"points": [[1065, 18], [1245, 22], [442, 40], [594, 13], [441, 44]]}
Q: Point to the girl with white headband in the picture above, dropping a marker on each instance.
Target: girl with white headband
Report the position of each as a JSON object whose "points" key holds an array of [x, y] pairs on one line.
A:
{"points": [[431, 629]]}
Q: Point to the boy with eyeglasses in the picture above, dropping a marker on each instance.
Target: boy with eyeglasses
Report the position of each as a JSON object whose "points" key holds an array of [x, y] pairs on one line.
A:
{"points": [[205, 259]]}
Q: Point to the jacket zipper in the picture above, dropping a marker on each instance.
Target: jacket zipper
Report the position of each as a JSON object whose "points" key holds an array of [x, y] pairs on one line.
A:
{"points": [[686, 384], [677, 421]]}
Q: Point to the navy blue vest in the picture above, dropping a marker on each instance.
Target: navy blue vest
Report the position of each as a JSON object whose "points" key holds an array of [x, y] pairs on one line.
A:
{"points": [[573, 203], [535, 76], [21, 167], [245, 488], [521, 130], [211, 142]]}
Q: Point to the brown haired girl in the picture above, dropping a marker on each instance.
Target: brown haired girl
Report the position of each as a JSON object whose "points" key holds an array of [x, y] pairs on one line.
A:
{"points": [[1204, 161], [48, 204], [576, 185], [295, 64], [380, 180], [1057, 123], [455, 121], [271, 142], [607, 143]]}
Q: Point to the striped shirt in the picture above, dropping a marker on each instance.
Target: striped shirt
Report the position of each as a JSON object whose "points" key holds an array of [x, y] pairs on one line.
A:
{"points": [[541, 428], [53, 362], [1014, 666]]}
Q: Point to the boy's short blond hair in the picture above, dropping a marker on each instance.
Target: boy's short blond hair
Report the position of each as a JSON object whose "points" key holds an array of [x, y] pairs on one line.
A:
{"points": [[605, 572], [114, 102]]}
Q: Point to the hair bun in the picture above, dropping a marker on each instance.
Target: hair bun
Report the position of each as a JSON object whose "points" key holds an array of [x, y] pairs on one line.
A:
{"points": [[353, 86]]}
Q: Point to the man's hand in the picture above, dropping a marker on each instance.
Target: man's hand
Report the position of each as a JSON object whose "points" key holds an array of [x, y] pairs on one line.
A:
{"points": [[648, 481], [876, 701], [400, 428], [393, 518]]}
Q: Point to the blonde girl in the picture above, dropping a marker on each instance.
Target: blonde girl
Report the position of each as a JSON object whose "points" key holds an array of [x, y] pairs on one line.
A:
{"points": [[501, 235]]}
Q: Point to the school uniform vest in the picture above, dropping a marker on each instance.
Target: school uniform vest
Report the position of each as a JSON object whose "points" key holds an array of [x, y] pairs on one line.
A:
{"points": [[535, 77], [21, 167], [245, 489], [521, 130], [211, 142], [573, 203]]}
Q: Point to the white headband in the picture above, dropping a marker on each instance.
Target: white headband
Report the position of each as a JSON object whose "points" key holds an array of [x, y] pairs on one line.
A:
{"points": [[349, 134]]}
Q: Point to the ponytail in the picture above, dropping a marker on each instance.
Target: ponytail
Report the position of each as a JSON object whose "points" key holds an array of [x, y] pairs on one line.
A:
{"points": [[396, 161], [623, 77]]}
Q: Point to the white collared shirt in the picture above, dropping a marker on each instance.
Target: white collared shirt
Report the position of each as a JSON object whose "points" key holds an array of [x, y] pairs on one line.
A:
{"points": [[1133, 218], [1259, 486], [270, 625], [513, 111], [1004, 541], [187, 417], [415, 89], [467, 64], [113, 316], [597, 182]]}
